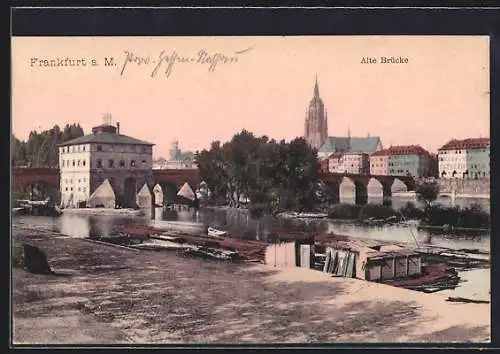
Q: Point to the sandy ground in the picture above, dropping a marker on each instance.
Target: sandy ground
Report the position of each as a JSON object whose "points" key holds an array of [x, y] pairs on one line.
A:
{"points": [[106, 295]]}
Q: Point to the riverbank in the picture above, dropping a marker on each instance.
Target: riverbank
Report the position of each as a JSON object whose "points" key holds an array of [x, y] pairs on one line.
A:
{"points": [[472, 196], [114, 295], [104, 211]]}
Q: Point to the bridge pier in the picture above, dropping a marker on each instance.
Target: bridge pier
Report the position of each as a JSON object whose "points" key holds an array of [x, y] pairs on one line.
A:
{"points": [[332, 193], [387, 193], [335, 195], [361, 194]]}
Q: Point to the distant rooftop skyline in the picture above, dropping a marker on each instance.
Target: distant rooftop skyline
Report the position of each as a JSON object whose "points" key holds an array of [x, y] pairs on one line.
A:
{"points": [[441, 94]]}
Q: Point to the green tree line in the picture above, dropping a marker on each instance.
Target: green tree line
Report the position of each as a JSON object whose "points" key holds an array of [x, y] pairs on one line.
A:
{"points": [[40, 149], [272, 175]]}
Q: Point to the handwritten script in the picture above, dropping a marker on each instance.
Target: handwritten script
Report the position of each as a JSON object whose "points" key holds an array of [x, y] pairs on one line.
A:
{"points": [[166, 61]]}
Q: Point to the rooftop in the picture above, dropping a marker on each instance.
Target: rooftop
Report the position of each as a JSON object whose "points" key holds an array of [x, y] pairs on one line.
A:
{"points": [[402, 150], [371, 248], [106, 134], [471, 143]]}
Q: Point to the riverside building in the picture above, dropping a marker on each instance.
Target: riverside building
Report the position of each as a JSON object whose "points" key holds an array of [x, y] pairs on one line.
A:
{"points": [[105, 154]]}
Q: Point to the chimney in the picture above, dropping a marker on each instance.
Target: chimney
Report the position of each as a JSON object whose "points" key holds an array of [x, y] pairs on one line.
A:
{"points": [[118, 128]]}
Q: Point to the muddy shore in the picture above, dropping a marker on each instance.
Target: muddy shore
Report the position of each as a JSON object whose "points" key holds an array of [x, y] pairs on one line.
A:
{"points": [[111, 295]]}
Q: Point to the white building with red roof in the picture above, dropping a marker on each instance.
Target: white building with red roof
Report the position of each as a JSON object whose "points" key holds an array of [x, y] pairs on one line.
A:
{"points": [[466, 158]]}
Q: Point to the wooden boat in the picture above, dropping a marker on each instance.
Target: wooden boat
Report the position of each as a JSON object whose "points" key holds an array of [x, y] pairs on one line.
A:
{"points": [[216, 233]]}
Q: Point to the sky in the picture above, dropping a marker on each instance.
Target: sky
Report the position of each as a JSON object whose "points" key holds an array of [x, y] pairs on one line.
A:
{"points": [[264, 86]]}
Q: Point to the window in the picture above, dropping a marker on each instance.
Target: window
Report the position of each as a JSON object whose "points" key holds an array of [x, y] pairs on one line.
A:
{"points": [[99, 148], [79, 189], [71, 189], [122, 163], [84, 189], [62, 163], [78, 163], [79, 148], [132, 163], [83, 162], [73, 162], [111, 163], [84, 180], [143, 149], [99, 163], [143, 162], [78, 180], [66, 189], [83, 147]]}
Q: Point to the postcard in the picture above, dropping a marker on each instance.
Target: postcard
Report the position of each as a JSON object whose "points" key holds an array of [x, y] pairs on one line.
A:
{"points": [[250, 189]]}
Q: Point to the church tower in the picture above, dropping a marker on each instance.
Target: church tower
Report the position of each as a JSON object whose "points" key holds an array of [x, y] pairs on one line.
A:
{"points": [[316, 125]]}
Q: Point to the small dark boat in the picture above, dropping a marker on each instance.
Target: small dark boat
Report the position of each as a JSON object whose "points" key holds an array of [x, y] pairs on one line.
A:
{"points": [[464, 300]]}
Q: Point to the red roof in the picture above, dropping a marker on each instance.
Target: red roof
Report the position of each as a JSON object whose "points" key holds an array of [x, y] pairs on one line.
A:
{"points": [[472, 143], [402, 150], [380, 153]]}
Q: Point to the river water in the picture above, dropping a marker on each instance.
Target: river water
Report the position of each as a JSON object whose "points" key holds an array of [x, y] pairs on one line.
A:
{"points": [[240, 225]]}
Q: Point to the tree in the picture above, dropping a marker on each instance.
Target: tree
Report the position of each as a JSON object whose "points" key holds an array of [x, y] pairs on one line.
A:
{"points": [[41, 149], [427, 193], [273, 176]]}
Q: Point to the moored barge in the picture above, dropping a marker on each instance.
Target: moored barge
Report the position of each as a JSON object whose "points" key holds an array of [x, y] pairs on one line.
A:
{"points": [[335, 255]]}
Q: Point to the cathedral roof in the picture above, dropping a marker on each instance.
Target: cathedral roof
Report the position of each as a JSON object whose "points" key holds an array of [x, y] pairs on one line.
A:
{"points": [[366, 145]]}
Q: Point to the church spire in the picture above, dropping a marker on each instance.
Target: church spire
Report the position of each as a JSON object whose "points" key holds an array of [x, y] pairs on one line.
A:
{"points": [[316, 88]]}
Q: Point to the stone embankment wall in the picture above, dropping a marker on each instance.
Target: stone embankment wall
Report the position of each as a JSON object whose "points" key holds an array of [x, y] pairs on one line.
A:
{"points": [[465, 186]]}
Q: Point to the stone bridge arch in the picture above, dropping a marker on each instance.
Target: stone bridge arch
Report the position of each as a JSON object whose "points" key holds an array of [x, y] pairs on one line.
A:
{"points": [[171, 180], [38, 190], [22, 177], [375, 188], [399, 186], [354, 188], [43, 180], [357, 187], [166, 192]]}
